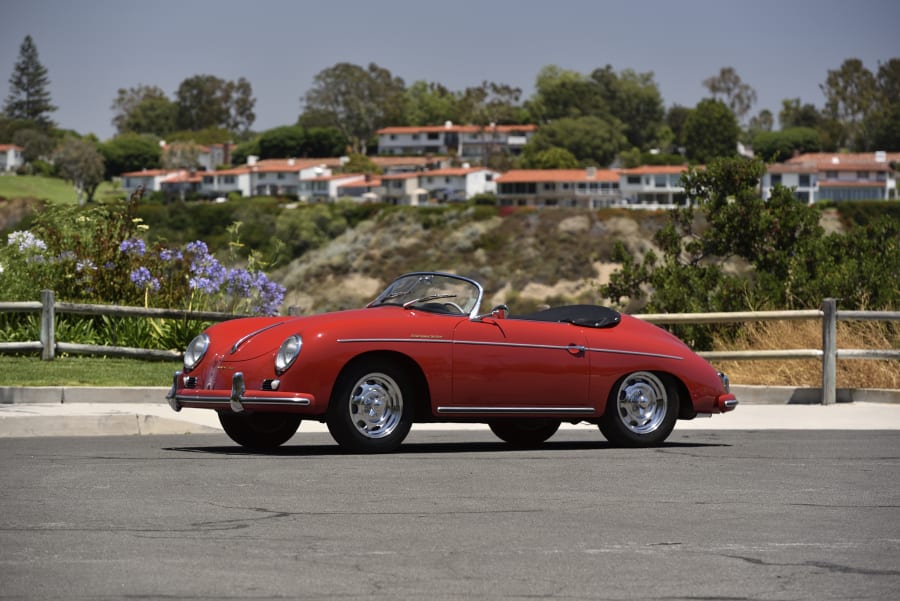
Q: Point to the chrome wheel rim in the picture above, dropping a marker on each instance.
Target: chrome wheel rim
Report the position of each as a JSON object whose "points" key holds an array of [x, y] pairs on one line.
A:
{"points": [[642, 402], [376, 405]]}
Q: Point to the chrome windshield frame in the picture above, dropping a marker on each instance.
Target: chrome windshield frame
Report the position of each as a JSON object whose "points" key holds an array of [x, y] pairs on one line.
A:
{"points": [[418, 274]]}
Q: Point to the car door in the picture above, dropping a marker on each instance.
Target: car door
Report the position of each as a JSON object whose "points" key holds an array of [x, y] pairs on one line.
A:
{"points": [[518, 367]]}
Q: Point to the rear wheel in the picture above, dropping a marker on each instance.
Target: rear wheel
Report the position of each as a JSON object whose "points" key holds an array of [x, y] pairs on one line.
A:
{"points": [[371, 407], [641, 410], [259, 430], [524, 432]]}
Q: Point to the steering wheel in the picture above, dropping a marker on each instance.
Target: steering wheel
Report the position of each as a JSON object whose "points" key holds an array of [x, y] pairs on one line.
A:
{"points": [[455, 306]]}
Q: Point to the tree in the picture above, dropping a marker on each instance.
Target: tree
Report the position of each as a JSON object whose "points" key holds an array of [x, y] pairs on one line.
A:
{"points": [[851, 94], [676, 117], [36, 144], [491, 103], [710, 131], [357, 101], [79, 162], [634, 99], [882, 125], [591, 140], [795, 114], [282, 142], [207, 101], [28, 95], [430, 104], [144, 110], [736, 94], [764, 121], [779, 146], [551, 158], [561, 93], [130, 152]]}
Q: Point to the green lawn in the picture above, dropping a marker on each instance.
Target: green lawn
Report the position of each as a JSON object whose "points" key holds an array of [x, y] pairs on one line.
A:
{"points": [[48, 188], [84, 371]]}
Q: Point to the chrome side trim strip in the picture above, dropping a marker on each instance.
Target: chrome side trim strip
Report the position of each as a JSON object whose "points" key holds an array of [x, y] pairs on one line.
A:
{"points": [[515, 410], [514, 345], [428, 340], [638, 353]]}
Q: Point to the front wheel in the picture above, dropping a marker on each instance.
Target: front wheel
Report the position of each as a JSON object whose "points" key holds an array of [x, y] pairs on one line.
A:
{"points": [[524, 432], [371, 407], [259, 430], [641, 411]]}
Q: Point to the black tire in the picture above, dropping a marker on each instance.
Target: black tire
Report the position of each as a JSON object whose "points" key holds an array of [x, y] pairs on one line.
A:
{"points": [[524, 432], [641, 410], [259, 430], [371, 408]]}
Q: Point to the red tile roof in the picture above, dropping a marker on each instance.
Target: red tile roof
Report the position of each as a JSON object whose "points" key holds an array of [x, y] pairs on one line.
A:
{"points": [[8, 147]]}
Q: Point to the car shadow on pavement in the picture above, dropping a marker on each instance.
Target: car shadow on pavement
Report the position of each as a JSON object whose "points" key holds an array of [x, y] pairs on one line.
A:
{"points": [[428, 448]]}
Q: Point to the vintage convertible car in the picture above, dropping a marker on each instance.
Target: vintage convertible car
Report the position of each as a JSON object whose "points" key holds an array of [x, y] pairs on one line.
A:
{"points": [[422, 352]]}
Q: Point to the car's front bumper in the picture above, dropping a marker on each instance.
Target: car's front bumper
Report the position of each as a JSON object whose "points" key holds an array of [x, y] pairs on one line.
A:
{"points": [[237, 399]]}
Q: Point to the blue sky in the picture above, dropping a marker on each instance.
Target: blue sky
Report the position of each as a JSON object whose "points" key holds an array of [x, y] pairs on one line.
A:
{"points": [[91, 48]]}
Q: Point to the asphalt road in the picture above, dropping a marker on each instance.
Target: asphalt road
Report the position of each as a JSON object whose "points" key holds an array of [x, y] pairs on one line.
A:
{"points": [[711, 515]]}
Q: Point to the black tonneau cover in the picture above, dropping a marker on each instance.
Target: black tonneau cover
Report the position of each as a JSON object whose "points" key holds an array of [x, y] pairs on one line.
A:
{"points": [[590, 316]]}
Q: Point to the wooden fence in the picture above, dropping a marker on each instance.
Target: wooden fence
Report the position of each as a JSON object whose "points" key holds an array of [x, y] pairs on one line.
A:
{"points": [[829, 315]]}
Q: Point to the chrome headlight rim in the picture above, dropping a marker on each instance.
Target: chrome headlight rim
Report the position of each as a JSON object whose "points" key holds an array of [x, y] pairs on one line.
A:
{"points": [[195, 351], [287, 353]]}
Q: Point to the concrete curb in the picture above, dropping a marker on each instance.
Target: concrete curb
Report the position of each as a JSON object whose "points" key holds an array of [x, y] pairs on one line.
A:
{"points": [[747, 395]]}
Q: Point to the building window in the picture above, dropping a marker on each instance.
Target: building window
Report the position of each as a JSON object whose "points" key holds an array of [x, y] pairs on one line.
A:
{"points": [[831, 175], [661, 181], [415, 136], [228, 179], [281, 176], [804, 180], [776, 179], [862, 175], [633, 179], [432, 136]]}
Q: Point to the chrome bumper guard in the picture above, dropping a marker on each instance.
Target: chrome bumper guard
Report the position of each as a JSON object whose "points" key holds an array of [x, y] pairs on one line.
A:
{"points": [[235, 399]]}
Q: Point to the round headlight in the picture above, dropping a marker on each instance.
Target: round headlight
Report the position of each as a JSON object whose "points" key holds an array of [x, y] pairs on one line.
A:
{"points": [[195, 351], [287, 354]]}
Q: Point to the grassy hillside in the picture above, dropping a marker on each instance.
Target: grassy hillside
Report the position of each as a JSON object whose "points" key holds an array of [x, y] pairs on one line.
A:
{"points": [[46, 188]]}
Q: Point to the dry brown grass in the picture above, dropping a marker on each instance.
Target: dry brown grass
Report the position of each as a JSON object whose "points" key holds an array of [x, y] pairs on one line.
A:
{"points": [[781, 335]]}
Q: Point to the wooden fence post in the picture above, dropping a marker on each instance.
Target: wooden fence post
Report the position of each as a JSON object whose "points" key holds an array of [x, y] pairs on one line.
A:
{"points": [[829, 351], [48, 334]]}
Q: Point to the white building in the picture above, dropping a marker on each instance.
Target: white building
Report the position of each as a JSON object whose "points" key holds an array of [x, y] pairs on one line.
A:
{"points": [[653, 185], [836, 176], [11, 157], [457, 184], [586, 188], [465, 141]]}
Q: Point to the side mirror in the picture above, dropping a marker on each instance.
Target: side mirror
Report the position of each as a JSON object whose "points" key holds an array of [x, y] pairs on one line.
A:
{"points": [[498, 312]]}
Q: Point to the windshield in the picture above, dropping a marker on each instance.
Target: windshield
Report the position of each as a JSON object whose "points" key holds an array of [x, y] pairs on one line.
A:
{"points": [[434, 292]]}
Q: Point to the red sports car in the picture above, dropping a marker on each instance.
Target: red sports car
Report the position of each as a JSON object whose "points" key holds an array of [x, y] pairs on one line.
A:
{"points": [[422, 352]]}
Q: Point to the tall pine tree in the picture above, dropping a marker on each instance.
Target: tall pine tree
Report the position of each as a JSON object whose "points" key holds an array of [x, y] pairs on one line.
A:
{"points": [[28, 97]]}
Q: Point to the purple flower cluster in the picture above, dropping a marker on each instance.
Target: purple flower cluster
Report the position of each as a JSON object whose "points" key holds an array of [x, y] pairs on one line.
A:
{"points": [[133, 246], [264, 295], [167, 254], [207, 274], [143, 279]]}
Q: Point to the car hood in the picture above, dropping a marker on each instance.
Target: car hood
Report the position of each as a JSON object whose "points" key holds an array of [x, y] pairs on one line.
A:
{"points": [[251, 337]]}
